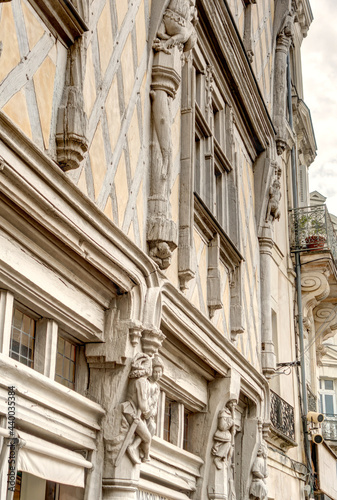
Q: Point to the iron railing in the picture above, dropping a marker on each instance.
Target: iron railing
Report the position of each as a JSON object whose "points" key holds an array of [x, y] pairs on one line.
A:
{"points": [[329, 428], [312, 229], [282, 416]]}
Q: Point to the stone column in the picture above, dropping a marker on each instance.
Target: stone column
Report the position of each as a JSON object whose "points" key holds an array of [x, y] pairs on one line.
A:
{"points": [[267, 346], [283, 42]]}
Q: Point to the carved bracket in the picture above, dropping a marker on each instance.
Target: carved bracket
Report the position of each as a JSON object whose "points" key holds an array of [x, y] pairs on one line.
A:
{"points": [[71, 127]]}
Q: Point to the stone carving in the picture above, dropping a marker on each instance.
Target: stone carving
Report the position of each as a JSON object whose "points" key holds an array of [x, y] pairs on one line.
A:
{"points": [[140, 408], [273, 210], [176, 33], [283, 41], [177, 27], [258, 489], [223, 450], [71, 128], [223, 438]]}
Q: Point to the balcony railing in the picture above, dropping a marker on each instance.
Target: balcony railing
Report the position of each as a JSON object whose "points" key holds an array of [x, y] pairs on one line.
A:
{"points": [[282, 416], [329, 428], [312, 229]]}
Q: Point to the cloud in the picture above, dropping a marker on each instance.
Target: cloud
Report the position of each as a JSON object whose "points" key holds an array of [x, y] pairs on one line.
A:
{"points": [[319, 63]]}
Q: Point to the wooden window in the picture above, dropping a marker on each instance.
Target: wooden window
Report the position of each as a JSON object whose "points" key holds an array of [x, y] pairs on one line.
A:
{"points": [[22, 338], [65, 362]]}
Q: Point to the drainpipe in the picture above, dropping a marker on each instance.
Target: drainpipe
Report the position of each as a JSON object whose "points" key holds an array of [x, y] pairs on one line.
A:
{"points": [[299, 292]]}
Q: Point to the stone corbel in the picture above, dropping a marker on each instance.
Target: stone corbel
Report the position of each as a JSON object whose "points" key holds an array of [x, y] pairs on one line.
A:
{"points": [[284, 39], [315, 288], [248, 36], [176, 33], [71, 127], [325, 318], [152, 339]]}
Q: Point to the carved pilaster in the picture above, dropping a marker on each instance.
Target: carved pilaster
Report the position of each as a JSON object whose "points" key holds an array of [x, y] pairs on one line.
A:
{"points": [[283, 41], [176, 34], [186, 265], [71, 127], [214, 299], [268, 359]]}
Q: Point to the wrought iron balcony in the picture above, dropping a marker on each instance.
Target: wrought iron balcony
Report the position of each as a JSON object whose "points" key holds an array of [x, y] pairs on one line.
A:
{"points": [[282, 416], [329, 428], [312, 229]]}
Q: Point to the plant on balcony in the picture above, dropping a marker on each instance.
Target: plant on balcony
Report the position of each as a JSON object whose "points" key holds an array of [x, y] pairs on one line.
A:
{"points": [[312, 226]]}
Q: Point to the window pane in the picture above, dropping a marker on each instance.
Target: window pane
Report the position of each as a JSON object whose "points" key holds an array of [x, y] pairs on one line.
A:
{"points": [[329, 385], [167, 419], [329, 410], [22, 338], [65, 363]]}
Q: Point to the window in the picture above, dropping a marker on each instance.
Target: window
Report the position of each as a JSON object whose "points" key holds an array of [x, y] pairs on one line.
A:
{"points": [[176, 423], [22, 338], [65, 363], [213, 121], [327, 397], [186, 441]]}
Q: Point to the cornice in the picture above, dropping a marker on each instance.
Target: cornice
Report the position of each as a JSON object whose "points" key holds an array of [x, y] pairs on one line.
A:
{"points": [[35, 183]]}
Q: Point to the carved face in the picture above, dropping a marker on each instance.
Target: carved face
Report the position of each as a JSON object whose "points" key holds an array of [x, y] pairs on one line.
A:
{"points": [[157, 372]]}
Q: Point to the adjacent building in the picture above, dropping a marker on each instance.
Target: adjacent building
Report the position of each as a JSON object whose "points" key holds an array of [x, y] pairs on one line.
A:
{"points": [[160, 310]]}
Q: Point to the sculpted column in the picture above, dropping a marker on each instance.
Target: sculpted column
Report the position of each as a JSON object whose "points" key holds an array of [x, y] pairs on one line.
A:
{"points": [[266, 242], [175, 35], [283, 42]]}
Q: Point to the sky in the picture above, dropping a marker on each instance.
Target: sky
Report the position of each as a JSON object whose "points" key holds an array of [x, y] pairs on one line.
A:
{"points": [[319, 67]]}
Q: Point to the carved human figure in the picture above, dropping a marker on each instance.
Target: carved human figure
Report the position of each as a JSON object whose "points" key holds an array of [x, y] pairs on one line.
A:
{"points": [[258, 489], [140, 409], [136, 409], [177, 26], [273, 210], [223, 439], [154, 391]]}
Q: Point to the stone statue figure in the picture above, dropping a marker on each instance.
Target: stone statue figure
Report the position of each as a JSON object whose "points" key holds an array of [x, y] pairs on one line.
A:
{"points": [[273, 210], [154, 392], [258, 489], [176, 33], [140, 408], [223, 439], [177, 27]]}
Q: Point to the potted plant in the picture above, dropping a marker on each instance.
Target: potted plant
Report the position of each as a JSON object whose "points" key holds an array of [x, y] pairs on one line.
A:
{"points": [[311, 229], [317, 232]]}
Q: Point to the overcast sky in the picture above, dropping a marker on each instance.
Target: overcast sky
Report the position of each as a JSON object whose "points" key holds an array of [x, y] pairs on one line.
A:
{"points": [[319, 65]]}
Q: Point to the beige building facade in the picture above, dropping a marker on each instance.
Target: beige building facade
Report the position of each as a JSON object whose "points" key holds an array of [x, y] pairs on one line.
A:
{"points": [[153, 163]]}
